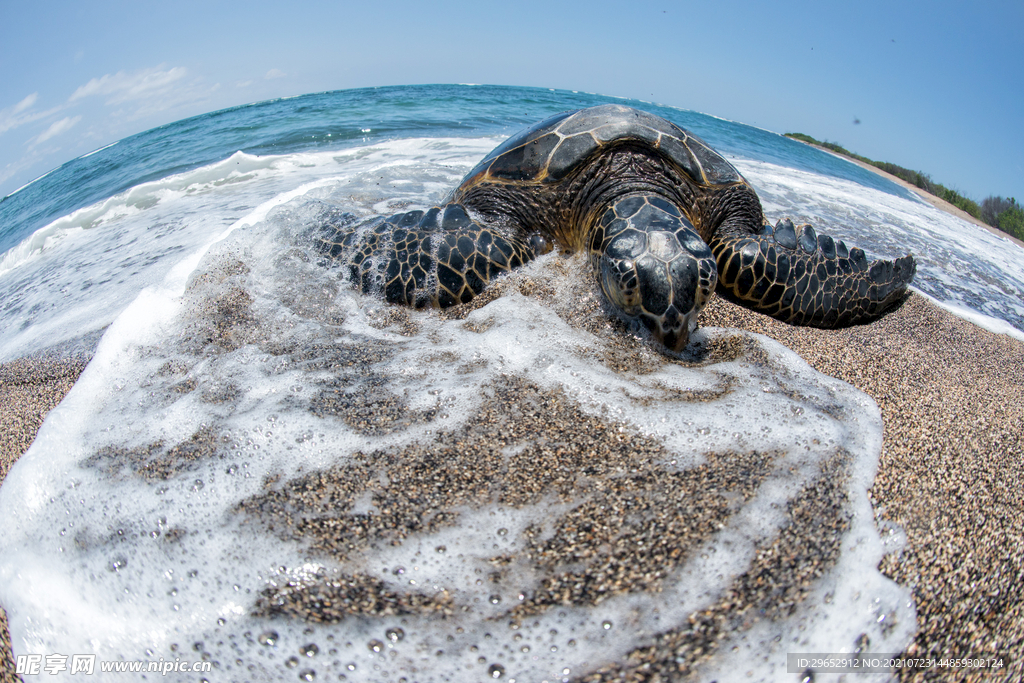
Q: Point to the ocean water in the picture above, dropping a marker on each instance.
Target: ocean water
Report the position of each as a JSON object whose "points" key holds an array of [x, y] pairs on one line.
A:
{"points": [[154, 518]]}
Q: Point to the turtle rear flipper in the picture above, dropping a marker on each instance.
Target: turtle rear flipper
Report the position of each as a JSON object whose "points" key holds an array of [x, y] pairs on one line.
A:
{"points": [[802, 278], [439, 257]]}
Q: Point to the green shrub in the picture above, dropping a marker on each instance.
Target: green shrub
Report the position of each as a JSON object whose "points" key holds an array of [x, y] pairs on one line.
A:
{"points": [[1011, 221], [832, 146], [836, 148], [803, 138], [961, 202], [916, 178], [993, 206], [923, 181]]}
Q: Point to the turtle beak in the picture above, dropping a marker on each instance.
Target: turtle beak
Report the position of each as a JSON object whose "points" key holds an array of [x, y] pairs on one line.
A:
{"points": [[654, 266], [658, 280]]}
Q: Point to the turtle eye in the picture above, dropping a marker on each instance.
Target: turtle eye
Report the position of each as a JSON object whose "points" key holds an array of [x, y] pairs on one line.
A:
{"points": [[539, 244], [620, 283]]}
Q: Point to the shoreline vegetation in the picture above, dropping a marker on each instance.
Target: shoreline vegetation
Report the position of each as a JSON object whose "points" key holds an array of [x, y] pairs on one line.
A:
{"points": [[1002, 213]]}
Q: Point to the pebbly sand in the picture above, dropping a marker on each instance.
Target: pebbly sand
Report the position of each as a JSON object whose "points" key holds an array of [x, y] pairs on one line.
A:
{"points": [[29, 389], [950, 472]]}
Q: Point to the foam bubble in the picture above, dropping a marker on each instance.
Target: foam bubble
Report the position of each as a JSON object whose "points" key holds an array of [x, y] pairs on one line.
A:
{"points": [[264, 468], [77, 273], [983, 321], [960, 264], [249, 417]]}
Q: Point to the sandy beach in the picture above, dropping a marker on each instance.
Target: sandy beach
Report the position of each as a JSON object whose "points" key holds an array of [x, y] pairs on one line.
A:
{"points": [[950, 472], [29, 389]]}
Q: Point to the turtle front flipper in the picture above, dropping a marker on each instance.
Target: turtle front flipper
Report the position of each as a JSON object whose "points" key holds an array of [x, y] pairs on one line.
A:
{"points": [[439, 257], [802, 278]]}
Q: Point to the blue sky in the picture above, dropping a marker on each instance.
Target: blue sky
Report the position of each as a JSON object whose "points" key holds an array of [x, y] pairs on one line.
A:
{"points": [[936, 86]]}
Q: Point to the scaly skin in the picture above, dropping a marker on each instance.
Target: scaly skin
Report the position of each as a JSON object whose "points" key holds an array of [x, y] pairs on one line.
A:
{"points": [[663, 216], [438, 257], [802, 278]]}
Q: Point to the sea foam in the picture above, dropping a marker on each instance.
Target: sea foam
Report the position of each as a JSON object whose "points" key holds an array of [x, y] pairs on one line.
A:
{"points": [[530, 492], [960, 264], [170, 505], [77, 273]]}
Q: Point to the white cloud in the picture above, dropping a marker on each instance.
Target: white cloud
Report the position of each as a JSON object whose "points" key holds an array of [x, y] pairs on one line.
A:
{"points": [[126, 87], [20, 114], [26, 103], [274, 73], [100, 110], [145, 92], [55, 129]]}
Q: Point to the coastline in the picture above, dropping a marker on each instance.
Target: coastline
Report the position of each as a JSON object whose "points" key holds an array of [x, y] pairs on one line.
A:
{"points": [[938, 203], [948, 475]]}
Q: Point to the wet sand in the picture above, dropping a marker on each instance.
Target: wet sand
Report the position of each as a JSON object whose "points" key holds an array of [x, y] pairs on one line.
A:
{"points": [[29, 389], [950, 473]]}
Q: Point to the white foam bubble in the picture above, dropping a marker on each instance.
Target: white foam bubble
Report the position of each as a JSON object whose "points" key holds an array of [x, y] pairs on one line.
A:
{"points": [[960, 264], [100, 559], [86, 565], [76, 274], [238, 168], [983, 321]]}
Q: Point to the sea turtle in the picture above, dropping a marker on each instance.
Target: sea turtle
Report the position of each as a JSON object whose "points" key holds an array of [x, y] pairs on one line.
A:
{"points": [[663, 216]]}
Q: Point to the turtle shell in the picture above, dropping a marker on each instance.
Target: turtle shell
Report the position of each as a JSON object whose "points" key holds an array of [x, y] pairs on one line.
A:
{"points": [[558, 145]]}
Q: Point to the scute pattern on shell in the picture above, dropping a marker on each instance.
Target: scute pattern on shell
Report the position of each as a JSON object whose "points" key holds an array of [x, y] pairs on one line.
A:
{"points": [[663, 215], [559, 145]]}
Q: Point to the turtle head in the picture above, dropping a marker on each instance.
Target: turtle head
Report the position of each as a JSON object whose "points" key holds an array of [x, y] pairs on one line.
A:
{"points": [[654, 267]]}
